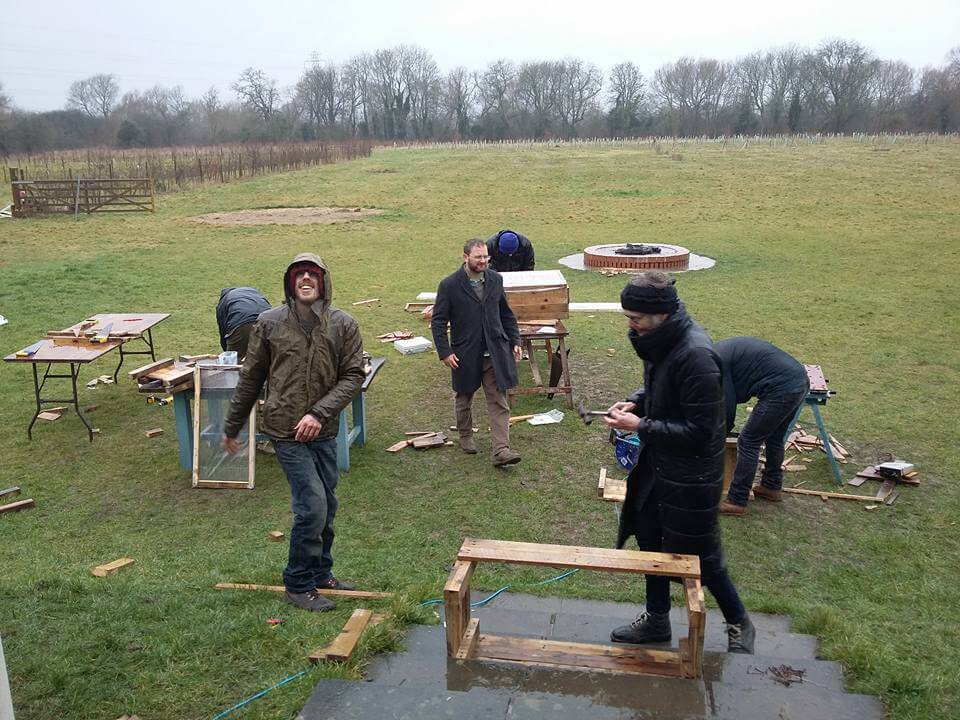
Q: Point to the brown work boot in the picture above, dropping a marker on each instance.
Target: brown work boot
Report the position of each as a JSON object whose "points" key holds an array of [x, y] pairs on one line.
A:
{"points": [[729, 508], [506, 457], [761, 491], [468, 444]]}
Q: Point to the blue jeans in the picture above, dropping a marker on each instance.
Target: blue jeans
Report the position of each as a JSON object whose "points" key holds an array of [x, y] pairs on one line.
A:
{"points": [[311, 470], [766, 426]]}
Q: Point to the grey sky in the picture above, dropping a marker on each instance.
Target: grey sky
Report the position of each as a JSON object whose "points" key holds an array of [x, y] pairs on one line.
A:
{"points": [[45, 47]]}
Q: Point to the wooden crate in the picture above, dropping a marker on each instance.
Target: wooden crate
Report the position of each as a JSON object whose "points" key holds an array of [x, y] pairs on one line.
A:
{"points": [[537, 294]]}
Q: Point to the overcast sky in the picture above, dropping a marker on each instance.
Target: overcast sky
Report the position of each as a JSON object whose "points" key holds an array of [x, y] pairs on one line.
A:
{"points": [[201, 43]]}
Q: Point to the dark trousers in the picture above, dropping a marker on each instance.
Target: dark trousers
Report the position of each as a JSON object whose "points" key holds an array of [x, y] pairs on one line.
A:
{"points": [[766, 426], [311, 470], [713, 572]]}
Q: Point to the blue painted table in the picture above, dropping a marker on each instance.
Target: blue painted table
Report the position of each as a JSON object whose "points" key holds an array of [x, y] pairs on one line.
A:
{"points": [[349, 433]]}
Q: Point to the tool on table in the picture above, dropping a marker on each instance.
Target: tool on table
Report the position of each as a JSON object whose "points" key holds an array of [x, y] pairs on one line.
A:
{"points": [[588, 415], [103, 334], [30, 350]]}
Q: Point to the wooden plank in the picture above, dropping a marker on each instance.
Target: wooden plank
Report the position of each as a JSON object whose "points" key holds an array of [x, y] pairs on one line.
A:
{"points": [[398, 446], [885, 489], [823, 494], [11, 491], [343, 645], [569, 556], [49, 416], [612, 658], [358, 594], [367, 302], [471, 636], [456, 604], [112, 567], [154, 432], [615, 490], [17, 506], [601, 481], [223, 484], [146, 369], [275, 536]]}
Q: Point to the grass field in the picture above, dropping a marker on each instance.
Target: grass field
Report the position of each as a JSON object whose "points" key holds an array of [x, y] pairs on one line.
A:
{"points": [[842, 252]]}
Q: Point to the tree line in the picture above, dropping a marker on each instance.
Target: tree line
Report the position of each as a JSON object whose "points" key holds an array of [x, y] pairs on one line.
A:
{"points": [[401, 94]]}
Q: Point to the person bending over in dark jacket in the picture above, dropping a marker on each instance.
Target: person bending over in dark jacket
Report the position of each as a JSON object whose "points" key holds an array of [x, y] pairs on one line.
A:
{"points": [[311, 355], [510, 251], [755, 368], [674, 489], [237, 310]]}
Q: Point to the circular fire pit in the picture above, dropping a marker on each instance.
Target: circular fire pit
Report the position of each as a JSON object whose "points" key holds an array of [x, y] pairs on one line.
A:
{"points": [[669, 257]]}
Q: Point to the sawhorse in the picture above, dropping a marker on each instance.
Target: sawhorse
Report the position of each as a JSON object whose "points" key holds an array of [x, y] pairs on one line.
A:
{"points": [[814, 400]]}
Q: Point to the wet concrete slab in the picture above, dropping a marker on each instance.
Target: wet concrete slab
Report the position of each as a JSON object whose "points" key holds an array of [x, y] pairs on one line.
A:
{"points": [[421, 682]]}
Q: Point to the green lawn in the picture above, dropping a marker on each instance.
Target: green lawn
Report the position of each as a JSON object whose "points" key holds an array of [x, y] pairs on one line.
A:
{"points": [[842, 252]]}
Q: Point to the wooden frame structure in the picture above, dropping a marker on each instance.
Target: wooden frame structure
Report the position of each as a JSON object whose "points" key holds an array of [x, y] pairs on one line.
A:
{"points": [[199, 482], [87, 195], [465, 642]]}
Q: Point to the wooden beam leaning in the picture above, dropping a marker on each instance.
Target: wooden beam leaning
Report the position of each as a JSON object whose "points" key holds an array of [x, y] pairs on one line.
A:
{"points": [[471, 636], [456, 604], [568, 556], [697, 620], [359, 594]]}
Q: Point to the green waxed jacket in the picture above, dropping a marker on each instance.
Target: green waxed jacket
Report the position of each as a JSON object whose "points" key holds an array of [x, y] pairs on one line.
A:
{"points": [[319, 374]]}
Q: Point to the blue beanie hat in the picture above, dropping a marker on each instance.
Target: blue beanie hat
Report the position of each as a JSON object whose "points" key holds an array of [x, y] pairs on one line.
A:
{"points": [[509, 242]]}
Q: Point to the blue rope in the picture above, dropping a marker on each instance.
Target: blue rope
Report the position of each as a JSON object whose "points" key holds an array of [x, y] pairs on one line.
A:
{"points": [[259, 694], [481, 603]]}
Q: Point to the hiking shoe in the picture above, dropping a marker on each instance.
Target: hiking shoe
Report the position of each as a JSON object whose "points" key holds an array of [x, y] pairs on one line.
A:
{"points": [[309, 600], [762, 491], [741, 636], [331, 583], [649, 627], [506, 457], [729, 508], [468, 444]]}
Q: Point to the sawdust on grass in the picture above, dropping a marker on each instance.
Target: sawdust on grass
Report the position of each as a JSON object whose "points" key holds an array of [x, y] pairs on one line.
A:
{"points": [[287, 216]]}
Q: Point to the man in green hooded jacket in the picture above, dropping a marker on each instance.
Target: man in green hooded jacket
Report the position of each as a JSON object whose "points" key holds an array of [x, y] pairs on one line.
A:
{"points": [[310, 354]]}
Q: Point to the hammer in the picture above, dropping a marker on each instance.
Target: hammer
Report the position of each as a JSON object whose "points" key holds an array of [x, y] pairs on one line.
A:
{"points": [[588, 415]]}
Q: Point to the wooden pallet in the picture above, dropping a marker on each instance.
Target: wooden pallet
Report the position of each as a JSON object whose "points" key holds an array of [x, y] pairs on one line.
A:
{"points": [[465, 641]]}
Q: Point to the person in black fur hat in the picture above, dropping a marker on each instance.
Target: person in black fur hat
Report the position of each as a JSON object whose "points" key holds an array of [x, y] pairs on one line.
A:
{"points": [[673, 492]]}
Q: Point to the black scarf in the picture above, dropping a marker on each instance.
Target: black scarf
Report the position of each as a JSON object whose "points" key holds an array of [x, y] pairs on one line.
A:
{"points": [[653, 346]]}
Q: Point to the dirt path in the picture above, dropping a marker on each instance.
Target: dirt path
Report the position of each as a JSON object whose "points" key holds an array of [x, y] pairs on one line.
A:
{"points": [[287, 216]]}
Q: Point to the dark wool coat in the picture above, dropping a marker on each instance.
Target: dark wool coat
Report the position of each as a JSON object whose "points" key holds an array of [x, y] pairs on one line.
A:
{"points": [[473, 327], [683, 432]]}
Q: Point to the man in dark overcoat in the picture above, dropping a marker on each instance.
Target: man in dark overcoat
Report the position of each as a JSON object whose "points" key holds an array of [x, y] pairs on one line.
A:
{"points": [[673, 492], [482, 347]]}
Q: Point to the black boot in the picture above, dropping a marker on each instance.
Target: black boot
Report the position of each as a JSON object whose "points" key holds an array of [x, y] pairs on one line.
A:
{"points": [[741, 636], [649, 627]]}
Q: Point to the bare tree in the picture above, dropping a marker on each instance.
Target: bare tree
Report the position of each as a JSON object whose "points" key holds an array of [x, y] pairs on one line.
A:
{"points": [[625, 95], [320, 94], [459, 91], [536, 91], [95, 95], [6, 102], [258, 92], [844, 70], [422, 78], [752, 76], [691, 94], [784, 85], [580, 83], [358, 94], [891, 89], [494, 87]]}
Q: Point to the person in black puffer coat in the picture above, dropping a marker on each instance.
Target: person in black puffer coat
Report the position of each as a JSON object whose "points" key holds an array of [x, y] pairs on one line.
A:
{"points": [[673, 492]]}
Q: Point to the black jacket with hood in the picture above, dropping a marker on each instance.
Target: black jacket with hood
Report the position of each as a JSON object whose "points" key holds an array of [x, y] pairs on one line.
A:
{"points": [[317, 374], [682, 428], [521, 260]]}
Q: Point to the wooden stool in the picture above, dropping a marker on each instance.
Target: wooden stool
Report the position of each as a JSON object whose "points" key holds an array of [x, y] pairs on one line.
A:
{"points": [[531, 340]]}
